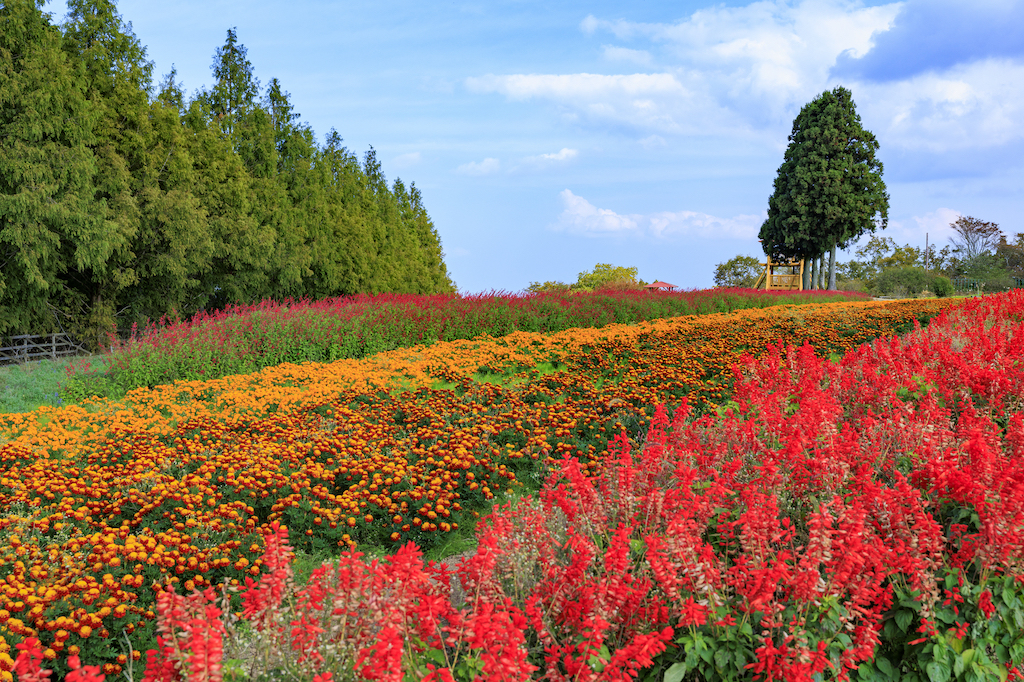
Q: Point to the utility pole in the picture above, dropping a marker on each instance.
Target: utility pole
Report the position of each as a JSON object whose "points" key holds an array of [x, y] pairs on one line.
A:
{"points": [[925, 250]]}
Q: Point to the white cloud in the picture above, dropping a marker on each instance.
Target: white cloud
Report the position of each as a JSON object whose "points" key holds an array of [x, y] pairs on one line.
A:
{"points": [[582, 217], [744, 72], [733, 69], [485, 167], [560, 157], [694, 224], [973, 105], [624, 54], [564, 154], [407, 160], [652, 142], [936, 225], [543, 161], [640, 99]]}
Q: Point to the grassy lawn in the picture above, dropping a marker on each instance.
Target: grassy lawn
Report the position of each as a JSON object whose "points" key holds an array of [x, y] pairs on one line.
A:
{"points": [[27, 386]]}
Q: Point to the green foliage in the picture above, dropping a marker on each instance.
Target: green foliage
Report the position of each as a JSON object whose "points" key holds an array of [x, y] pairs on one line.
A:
{"points": [[548, 287], [974, 238], [1011, 254], [605, 275], [878, 254], [969, 644], [906, 280], [48, 175], [739, 271], [27, 386], [122, 203], [942, 286], [858, 285], [829, 188]]}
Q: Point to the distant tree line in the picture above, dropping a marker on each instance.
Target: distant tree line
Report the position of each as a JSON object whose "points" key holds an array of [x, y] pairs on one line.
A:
{"points": [[603, 276], [122, 201], [978, 253]]}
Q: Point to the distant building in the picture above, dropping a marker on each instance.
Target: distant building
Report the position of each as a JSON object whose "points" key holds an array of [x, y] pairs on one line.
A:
{"points": [[661, 285]]}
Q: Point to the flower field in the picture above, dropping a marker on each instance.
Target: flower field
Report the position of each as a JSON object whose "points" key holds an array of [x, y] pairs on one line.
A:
{"points": [[245, 339], [109, 503]]}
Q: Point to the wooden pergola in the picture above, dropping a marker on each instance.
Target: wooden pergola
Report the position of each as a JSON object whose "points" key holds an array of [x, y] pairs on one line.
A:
{"points": [[785, 276]]}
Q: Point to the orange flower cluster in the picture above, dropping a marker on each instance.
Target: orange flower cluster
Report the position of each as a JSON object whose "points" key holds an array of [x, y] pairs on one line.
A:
{"points": [[108, 502]]}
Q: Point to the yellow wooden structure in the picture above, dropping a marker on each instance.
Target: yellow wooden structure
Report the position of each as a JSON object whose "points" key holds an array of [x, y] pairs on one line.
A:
{"points": [[788, 276]]}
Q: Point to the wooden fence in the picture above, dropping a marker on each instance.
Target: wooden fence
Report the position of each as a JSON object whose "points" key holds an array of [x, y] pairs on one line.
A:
{"points": [[16, 349], [968, 284]]}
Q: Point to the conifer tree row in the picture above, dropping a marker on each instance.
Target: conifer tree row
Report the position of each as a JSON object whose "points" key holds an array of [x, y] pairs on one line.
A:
{"points": [[122, 201]]}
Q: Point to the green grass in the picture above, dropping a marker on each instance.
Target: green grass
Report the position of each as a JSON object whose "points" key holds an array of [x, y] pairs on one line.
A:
{"points": [[30, 385]]}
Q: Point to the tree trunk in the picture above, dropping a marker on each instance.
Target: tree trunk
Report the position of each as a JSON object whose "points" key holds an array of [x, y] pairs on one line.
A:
{"points": [[832, 267], [806, 274], [821, 272], [814, 273]]}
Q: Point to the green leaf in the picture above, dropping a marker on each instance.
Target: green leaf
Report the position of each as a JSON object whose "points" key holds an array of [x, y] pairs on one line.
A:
{"points": [[911, 603], [867, 672], [958, 666], [937, 672], [885, 667], [904, 618], [706, 653], [722, 658], [955, 643], [675, 673]]}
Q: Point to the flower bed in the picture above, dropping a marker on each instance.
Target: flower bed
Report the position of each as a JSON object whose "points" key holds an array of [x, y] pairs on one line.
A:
{"points": [[107, 502], [244, 339]]}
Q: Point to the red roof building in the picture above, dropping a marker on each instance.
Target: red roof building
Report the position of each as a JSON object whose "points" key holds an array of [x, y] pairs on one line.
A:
{"points": [[661, 285]]}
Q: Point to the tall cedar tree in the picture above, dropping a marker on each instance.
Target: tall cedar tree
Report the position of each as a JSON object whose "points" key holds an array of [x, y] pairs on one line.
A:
{"points": [[829, 189], [49, 226], [121, 202]]}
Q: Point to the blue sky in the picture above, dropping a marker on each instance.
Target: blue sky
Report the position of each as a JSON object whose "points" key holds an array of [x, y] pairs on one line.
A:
{"points": [[548, 137]]}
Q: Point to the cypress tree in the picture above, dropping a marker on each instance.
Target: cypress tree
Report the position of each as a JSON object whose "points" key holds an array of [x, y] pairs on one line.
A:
{"points": [[174, 246], [118, 80], [829, 189], [48, 175]]}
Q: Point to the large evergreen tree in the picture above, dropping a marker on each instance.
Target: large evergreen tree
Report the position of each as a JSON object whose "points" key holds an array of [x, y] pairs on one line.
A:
{"points": [[48, 174], [121, 202], [829, 189]]}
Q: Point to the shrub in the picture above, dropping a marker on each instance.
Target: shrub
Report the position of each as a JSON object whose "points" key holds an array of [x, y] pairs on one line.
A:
{"points": [[942, 286], [909, 280], [855, 285], [549, 286], [739, 271]]}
